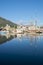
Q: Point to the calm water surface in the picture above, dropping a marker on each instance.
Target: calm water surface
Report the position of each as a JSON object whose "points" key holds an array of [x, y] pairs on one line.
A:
{"points": [[21, 49]]}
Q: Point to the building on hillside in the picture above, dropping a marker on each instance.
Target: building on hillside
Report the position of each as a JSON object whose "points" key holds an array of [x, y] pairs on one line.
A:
{"points": [[19, 29], [13, 30], [41, 28], [7, 27], [33, 28]]}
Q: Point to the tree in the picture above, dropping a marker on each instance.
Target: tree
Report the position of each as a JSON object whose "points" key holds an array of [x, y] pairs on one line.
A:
{"points": [[15, 26]]}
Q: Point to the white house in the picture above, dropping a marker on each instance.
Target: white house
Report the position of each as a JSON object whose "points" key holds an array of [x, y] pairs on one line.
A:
{"points": [[33, 27], [19, 29], [41, 28], [7, 27]]}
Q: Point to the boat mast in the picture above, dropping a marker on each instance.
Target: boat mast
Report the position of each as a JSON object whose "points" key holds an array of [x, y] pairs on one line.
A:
{"points": [[35, 25]]}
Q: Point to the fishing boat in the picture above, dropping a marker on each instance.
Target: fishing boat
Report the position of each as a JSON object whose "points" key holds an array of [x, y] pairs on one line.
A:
{"points": [[39, 32]]}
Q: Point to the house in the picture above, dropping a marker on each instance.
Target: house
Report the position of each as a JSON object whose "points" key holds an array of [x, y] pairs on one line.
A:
{"points": [[41, 28], [19, 29], [7, 27], [33, 28], [13, 30]]}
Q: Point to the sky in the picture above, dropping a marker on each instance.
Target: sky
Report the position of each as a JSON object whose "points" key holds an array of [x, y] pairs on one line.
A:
{"points": [[22, 11]]}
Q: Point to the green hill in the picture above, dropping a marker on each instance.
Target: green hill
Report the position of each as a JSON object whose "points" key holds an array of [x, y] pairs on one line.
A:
{"points": [[3, 22]]}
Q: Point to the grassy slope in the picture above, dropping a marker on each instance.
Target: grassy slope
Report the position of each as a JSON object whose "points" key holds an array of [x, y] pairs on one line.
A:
{"points": [[3, 22]]}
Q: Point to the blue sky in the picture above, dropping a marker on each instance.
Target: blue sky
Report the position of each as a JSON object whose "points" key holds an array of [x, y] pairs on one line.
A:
{"points": [[22, 11]]}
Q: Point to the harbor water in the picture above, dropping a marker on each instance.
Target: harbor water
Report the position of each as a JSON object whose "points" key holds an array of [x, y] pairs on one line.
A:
{"points": [[21, 49]]}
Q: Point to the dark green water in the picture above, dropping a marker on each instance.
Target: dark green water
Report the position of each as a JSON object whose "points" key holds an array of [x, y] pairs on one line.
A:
{"points": [[21, 50]]}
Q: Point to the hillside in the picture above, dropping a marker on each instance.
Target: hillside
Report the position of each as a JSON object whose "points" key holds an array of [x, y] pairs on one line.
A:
{"points": [[3, 22]]}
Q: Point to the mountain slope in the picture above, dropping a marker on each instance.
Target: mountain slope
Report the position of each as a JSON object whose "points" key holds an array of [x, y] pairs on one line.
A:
{"points": [[3, 22]]}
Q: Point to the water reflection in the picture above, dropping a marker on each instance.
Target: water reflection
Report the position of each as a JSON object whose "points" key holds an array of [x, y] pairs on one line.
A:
{"points": [[30, 49], [33, 39]]}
